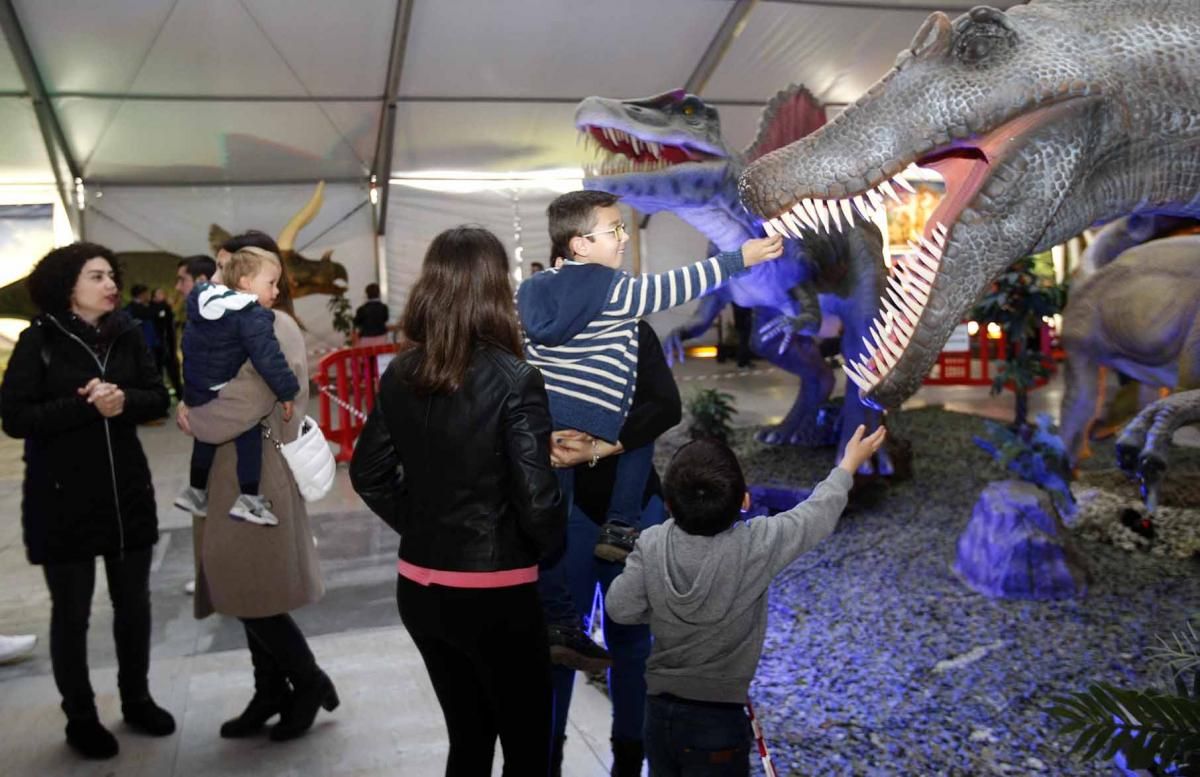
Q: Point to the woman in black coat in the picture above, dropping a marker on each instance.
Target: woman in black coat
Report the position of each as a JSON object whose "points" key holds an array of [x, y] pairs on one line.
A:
{"points": [[79, 382], [456, 457]]}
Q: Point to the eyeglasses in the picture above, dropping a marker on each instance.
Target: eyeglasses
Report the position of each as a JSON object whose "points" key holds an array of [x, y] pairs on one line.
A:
{"points": [[619, 231]]}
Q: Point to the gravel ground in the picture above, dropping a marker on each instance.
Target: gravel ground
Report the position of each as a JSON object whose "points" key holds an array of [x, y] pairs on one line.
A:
{"points": [[878, 661]]}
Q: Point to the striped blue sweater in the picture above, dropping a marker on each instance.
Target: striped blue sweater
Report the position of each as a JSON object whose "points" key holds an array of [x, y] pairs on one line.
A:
{"points": [[580, 324]]}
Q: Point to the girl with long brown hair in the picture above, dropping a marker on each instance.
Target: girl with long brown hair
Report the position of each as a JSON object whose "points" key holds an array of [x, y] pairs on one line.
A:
{"points": [[456, 458]]}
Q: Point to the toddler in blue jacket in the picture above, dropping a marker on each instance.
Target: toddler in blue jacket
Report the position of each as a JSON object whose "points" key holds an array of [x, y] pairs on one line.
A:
{"points": [[226, 325]]}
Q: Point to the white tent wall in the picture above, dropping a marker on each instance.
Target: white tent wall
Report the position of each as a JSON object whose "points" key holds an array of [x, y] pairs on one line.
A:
{"points": [[177, 220], [416, 216]]}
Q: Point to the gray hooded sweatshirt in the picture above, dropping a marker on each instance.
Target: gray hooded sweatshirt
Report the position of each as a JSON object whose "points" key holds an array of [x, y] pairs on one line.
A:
{"points": [[705, 598]]}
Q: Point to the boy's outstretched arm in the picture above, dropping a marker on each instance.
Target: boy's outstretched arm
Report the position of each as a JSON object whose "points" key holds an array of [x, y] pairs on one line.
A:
{"points": [[626, 600], [790, 533], [635, 296]]}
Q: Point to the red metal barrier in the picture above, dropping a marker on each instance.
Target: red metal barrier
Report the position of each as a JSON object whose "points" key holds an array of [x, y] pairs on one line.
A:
{"points": [[352, 376], [973, 367]]}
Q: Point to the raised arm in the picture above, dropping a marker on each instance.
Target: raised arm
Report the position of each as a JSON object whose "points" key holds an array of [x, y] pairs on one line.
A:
{"points": [[634, 296]]}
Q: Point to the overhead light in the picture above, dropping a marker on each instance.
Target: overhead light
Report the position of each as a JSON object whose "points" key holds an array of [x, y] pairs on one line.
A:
{"points": [[564, 179]]}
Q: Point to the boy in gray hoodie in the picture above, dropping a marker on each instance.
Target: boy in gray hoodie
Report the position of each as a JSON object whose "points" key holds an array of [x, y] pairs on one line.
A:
{"points": [[700, 580]]}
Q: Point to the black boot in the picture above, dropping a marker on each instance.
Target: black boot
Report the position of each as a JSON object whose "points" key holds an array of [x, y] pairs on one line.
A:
{"points": [[147, 717], [556, 756], [572, 648], [89, 738], [265, 705], [627, 757], [307, 697]]}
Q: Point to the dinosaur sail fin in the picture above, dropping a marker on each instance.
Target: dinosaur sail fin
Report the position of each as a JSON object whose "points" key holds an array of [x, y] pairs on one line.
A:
{"points": [[790, 115]]}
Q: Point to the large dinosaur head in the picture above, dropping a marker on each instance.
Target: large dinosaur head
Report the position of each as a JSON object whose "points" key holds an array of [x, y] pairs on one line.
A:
{"points": [[637, 140], [1004, 107]]}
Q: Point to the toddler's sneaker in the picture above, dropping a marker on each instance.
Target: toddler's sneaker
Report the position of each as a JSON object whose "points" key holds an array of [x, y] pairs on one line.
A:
{"points": [[615, 541], [252, 508], [193, 500]]}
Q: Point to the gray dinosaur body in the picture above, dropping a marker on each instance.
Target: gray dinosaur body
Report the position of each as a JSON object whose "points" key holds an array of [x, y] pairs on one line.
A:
{"points": [[1043, 120]]}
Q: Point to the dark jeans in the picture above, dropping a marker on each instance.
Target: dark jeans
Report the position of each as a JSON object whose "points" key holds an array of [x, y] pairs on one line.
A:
{"points": [[279, 653], [249, 461], [697, 739], [561, 606], [633, 470], [629, 645], [486, 653], [71, 587], [557, 606]]}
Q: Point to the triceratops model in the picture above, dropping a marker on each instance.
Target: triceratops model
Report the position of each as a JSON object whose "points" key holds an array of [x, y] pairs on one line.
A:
{"points": [[1042, 120], [156, 269], [667, 153]]}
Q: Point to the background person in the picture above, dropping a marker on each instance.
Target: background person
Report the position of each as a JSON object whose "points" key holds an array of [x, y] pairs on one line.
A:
{"points": [[261, 575], [466, 422], [371, 320], [79, 382]]}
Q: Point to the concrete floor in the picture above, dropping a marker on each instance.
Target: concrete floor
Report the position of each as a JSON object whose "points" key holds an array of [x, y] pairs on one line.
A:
{"points": [[389, 721]]}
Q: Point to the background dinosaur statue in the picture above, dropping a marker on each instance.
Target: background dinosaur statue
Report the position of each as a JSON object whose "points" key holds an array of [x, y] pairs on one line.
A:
{"points": [[667, 153], [1042, 120], [1140, 315], [156, 269]]}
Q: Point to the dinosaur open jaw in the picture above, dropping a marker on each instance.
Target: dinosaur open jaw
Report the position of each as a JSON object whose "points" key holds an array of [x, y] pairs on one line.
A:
{"points": [[620, 152], [906, 295]]}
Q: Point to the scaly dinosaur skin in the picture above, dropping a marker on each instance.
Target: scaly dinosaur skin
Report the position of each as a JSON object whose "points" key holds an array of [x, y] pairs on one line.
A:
{"points": [[1043, 120], [1139, 314], [686, 167]]}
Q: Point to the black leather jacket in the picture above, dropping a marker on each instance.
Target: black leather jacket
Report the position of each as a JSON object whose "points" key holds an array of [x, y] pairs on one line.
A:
{"points": [[465, 478]]}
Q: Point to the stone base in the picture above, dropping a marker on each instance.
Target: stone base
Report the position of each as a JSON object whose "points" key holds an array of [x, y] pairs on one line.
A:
{"points": [[1015, 546]]}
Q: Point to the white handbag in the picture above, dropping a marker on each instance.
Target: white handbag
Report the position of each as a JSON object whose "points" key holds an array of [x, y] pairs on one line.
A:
{"points": [[309, 458]]}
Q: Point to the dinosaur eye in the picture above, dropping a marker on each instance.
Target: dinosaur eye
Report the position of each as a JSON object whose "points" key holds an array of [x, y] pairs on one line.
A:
{"points": [[978, 47], [688, 110]]}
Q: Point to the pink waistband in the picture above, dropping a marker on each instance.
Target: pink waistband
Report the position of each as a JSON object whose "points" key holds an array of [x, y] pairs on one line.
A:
{"points": [[502, 578]]}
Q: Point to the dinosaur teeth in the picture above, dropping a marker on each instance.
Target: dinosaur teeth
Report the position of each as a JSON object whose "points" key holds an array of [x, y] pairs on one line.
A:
{"points": [[847, 211], [822, 213], [903, 184], [802, 214], [886, 188], [858, 381], [792, 223], [655, 149], [864, 210], [833, 215]]}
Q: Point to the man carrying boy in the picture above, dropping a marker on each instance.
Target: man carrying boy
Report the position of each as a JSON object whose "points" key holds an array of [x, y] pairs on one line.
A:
{"points": [[580, 321], [700, 580]]}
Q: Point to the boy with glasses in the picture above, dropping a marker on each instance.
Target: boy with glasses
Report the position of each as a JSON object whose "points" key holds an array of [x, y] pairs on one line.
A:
{"points": [[580, 322]]}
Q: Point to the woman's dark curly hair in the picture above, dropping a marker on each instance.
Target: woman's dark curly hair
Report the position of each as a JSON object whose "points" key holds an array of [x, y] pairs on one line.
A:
{"points": [[53, 278]]}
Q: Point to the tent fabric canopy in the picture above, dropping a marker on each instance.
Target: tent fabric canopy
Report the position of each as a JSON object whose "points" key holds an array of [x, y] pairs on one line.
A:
{"points": [[187, 92]]}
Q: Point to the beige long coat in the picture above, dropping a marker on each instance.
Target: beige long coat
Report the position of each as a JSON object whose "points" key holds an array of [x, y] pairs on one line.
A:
{"points": [[242, 569]]}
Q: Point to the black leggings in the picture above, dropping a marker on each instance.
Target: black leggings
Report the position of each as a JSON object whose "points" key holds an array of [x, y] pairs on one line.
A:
{"points": [[279, 653], [487, 656], [71, 587]]}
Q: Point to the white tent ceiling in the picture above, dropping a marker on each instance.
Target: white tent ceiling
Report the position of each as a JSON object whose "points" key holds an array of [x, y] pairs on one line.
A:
{"points": [[191, 92]]}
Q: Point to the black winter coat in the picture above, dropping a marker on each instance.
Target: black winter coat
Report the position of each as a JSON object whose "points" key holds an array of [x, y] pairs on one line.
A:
{"points": [[87, 489], [465, 478]]}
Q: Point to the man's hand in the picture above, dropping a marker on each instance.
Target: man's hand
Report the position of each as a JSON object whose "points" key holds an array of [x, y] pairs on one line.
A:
{"points": [[288, 408], [758, 250], [181, 419], [860, 449]]}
